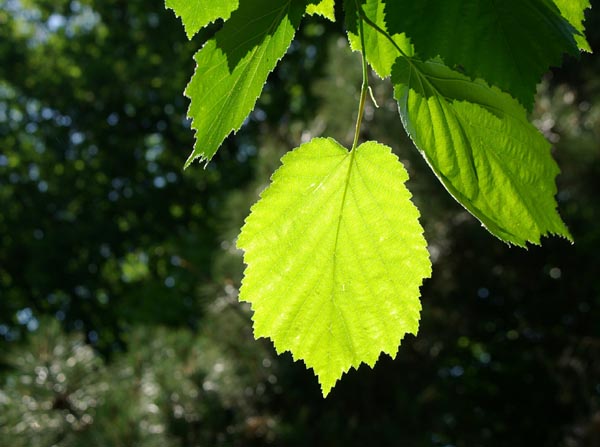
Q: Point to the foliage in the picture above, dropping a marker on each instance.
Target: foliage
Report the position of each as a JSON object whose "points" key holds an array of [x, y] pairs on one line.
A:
{"points": [[232, 68], [453, 86], [507, 352], [62, 393], [100, 227], [509, 44]]}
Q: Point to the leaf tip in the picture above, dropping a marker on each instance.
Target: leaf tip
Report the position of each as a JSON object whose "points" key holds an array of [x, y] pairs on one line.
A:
{"points": [[195, 156], [326, 389]]}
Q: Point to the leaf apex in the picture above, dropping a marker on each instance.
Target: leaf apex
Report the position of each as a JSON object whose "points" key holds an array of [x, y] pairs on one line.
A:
{"points": [[196, 156]]}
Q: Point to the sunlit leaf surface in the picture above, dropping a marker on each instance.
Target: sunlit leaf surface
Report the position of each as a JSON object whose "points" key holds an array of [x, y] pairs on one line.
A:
{"points": [[335, 256]]}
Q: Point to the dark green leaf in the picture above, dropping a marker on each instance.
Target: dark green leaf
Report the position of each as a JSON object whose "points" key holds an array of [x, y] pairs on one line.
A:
{"points": [[509, 43]]}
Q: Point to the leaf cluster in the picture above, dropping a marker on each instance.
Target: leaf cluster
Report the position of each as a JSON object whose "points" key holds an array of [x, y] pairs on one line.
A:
{"points": [[464, 76]]}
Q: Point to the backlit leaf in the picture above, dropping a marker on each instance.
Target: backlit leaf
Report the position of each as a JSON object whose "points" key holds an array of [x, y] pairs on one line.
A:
{"points": [[574, 12], [196, 14], [381, 54], [232, 68], [335, 257], [325, 8]]}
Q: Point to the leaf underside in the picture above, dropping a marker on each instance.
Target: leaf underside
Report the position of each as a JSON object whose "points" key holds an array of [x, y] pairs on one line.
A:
{"points": [[480, 144], [335, 257]]}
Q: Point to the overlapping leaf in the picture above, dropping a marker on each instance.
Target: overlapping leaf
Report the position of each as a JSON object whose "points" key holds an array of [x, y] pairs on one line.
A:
{"points": [[335, 257], [334, 249], [574, 12], [196, 14], [232, 68], [381, 53], [480, 144], [325, 8], [508, 43]]}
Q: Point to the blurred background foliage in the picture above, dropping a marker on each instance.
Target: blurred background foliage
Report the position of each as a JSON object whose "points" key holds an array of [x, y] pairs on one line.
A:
{"points": [[119, 320]]}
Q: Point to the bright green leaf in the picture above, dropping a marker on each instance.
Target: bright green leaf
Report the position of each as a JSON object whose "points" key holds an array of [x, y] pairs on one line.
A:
{"points": [[335, 256], [381, 54], [508, 43], [196, 14], [480, 144], [232, 68], [574, 12], [325, 8]]}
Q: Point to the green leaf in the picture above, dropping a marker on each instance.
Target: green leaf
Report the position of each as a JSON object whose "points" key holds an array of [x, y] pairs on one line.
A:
{"points": [[335, 256], [196, 14], [508, 43], [574, 12], [480, 144], [232, 69], [381, 54], [325, 8]]}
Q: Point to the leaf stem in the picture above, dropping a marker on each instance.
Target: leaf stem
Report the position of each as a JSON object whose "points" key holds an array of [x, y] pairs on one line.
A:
{"points": [[381, 31], [384, 33], [365, 82]]}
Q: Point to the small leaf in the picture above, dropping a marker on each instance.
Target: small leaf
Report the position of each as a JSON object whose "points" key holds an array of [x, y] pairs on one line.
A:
{"points": [[574, 12], [381, 54], [508, 43], [232, 69], [335, 256], [325, 8], [196, 14], [480, 144]]}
